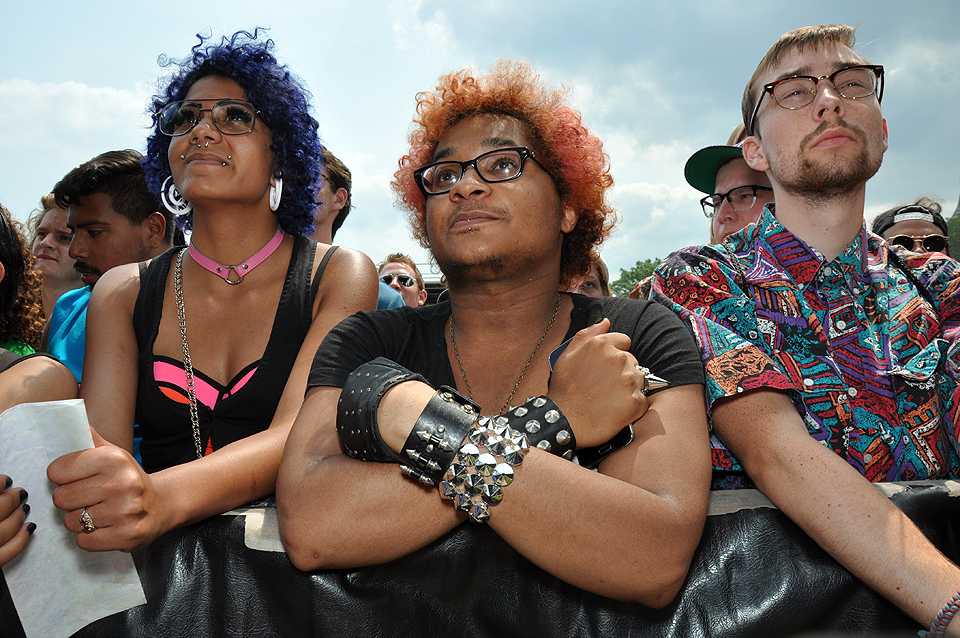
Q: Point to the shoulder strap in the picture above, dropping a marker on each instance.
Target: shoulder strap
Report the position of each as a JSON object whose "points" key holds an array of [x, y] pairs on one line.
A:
{"points": [[7, 359], [319, 274], [146, 310]]}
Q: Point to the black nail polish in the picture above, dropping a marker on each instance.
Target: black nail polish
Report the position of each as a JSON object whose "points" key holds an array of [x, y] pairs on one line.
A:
{"points": [[23, 495], [26, 508], [31, 528], [8, 482]]}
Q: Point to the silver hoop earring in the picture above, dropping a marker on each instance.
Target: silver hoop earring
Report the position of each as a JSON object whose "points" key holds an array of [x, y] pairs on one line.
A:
{"points": [[171, 198], [275, 192]]}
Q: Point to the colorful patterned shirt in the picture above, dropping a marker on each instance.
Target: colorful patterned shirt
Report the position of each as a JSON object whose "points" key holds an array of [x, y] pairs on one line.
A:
{"points": [[870, 360]]}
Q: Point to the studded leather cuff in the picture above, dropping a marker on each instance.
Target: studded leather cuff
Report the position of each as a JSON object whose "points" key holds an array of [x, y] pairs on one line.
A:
{"points": [[438, 432], [357, 409], [482, 467], [544, 425]]}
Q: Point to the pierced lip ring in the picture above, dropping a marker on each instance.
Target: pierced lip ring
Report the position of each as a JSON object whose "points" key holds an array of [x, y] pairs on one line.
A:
{"points": [[86, 522]]}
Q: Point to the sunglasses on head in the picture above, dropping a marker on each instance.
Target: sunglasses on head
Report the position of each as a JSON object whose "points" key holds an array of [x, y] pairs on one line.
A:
{"points": [[405, 280], [928, 243]]}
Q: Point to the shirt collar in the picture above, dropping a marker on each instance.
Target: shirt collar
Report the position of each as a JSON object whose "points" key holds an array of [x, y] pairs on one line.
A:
{"points": [[803, 262]]}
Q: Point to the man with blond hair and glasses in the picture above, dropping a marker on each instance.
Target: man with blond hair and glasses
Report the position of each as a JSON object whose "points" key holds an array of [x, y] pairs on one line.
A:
{"points": [[831, 356]]}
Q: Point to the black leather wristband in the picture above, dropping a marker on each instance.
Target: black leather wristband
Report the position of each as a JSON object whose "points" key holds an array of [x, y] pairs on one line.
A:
{"points": [[437, 435], [544, 425], [357, 409]]}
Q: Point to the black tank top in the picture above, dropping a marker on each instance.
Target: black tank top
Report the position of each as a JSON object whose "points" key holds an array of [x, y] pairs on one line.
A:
{"points": [[246, 405]]}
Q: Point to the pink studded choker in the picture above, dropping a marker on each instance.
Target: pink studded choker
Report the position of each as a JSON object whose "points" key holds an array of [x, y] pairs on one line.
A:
{"points": [[243, 268]]}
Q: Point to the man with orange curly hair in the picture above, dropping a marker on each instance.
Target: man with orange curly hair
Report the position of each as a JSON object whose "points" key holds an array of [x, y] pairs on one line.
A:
{"points": [[506, 187]]}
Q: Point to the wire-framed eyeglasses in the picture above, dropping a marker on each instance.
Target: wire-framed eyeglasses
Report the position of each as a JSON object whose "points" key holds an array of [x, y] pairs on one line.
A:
{"points": [[231, 117], [741, 199], [921, 243], [501, 165], [853, 83]]}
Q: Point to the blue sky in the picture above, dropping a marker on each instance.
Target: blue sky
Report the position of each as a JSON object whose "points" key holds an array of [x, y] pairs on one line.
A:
{"points": [[656, 81]]}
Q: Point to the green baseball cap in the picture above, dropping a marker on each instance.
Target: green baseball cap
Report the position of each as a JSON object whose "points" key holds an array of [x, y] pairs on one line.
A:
{"points": [[701, 169]]}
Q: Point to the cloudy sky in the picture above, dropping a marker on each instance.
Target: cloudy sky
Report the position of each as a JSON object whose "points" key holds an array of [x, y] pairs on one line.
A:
{"points": [[656, 81]]}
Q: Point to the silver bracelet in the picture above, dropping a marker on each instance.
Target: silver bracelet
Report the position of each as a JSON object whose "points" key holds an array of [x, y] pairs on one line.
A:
{"points": [[482, 467]]}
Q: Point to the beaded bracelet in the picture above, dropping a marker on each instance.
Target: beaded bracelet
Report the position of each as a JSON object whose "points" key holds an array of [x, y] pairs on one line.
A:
{"points": [[483, 466], [940, 623], [544, 425], [357, 424], [440, 429]]}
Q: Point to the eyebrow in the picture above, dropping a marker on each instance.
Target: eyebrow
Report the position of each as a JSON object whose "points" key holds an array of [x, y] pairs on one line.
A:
{"points": [[95, 222], [490, 142], [803, 70]]}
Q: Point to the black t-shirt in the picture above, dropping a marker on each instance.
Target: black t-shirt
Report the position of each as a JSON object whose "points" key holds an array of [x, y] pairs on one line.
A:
{"points": [[248, 403], [414, 338]]}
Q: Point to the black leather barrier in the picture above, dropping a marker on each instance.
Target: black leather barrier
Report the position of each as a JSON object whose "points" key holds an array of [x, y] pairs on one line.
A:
{"points": [[754, 574]]}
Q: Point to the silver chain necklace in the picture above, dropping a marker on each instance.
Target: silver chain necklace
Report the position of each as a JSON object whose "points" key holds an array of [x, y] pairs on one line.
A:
{"points": [[187, 364], [516, 386]]}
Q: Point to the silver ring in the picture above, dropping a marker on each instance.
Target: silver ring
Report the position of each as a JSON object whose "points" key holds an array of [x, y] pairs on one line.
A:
{"points": [[86, 522], [650, 380]]}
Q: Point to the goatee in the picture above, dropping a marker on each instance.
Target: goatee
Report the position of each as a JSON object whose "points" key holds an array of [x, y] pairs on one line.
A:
{"points": [[826, 180]]}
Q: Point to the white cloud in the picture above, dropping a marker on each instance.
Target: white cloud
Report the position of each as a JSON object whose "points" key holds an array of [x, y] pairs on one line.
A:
{"points": [[47, 128]]}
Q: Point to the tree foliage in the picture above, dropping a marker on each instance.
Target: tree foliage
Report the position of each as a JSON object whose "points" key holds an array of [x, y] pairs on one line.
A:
{"points": [[953, 228], [629, 277]]}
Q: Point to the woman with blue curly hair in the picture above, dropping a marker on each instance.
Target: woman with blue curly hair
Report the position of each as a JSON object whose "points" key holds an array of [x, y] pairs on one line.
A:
{"points": [[208, 347]]}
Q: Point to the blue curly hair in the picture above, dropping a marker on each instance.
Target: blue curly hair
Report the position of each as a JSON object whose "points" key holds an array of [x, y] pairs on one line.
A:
{"points": [[283, 103]]}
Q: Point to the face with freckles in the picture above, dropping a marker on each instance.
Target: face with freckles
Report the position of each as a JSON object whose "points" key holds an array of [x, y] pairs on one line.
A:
{"points": [[827, 147], [208, 165], [481, 230], [51, 247]]}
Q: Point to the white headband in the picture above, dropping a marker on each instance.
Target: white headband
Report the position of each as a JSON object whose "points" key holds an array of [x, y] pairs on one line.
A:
{"points": [[905, 217]]}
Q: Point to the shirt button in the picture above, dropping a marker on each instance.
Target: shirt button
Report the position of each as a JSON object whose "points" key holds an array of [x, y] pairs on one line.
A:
{"points": [[827, 271], [841, 324], [852, 392], [867, 457], [808, 382]]}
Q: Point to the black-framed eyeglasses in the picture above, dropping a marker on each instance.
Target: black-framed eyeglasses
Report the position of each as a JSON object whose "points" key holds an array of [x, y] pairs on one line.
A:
{"points": [[929, 243], [501, 165], [741, 199], [405, 280], [853, 82], [231, 117]]}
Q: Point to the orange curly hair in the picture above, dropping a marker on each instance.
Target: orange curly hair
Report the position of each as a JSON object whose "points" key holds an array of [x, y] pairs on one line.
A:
{"points": [[571, 154], [21, 308]]}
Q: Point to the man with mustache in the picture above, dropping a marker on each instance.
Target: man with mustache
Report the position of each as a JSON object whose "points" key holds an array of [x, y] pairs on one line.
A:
{"points": [[831, 355], [115, 220], [507, 188]]}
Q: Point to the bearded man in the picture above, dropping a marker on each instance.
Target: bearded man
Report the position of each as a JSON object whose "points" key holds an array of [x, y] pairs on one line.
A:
{"points": [[831, 355]]}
